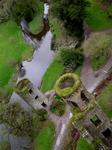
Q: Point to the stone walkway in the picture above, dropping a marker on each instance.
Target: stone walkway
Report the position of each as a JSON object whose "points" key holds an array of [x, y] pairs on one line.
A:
{"points": [[61, 124], [88, 77]]}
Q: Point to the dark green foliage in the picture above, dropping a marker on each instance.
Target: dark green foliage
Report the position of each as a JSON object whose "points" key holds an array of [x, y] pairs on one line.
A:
{"points": [[39, 119], [5, 146], [23, 9], [20, 121], [58, 106], [15, 117], [4, 10], [72, 13], [97, 142], [18, 10], [109, 11], [72, 58], [42, 115]]}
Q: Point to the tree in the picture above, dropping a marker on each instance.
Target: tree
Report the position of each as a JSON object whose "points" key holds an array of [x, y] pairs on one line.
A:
{"points": [[4, 10], [23, 9], [16, 118], [72, 58], [72, 13], [22, 122]]}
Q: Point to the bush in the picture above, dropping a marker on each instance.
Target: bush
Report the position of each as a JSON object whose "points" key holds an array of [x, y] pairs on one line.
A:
{"points": [[23, 10], [99, 47], [72, 13], [72, 58], [4, 10], [20, 121], [5, 145], [109, 11], [67, 90], [16, 118], [58, 106]]}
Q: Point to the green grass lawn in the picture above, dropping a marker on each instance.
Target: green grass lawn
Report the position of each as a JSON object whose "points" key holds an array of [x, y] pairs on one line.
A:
{"points": [[83, 145], [55, 26], [97, 18], [78, 70], [99, 47], [51, 75], [36, 24], [97, 63], [12, 50], [45, 138], [105, 100]]}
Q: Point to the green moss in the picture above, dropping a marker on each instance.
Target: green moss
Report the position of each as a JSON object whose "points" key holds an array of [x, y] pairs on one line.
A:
{"points": [[23, 86], [70, 89]]}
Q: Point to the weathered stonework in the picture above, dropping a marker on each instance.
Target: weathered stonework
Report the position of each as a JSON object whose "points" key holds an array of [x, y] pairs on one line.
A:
{"points": [[81, 98], [32, 95]]}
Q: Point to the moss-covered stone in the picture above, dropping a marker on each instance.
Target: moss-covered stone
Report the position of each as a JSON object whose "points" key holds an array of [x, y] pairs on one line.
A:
{"points": [[67, 89]]}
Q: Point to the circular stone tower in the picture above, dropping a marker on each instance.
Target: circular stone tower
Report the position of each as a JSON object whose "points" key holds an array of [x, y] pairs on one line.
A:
{"points": [[69, 86]]}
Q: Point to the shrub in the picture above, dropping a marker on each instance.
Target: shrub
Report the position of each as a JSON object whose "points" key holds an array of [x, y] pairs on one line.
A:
{"points": [[66, 91], [4, 10], [23, 10], [14, 116], [72, 58], [109, 11], [20, 121], [99, 47], [5, 145], [58, 106], [72, 13]]}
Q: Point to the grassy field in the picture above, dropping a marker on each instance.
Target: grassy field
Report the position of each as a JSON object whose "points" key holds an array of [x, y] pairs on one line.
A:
{"points": [[55, 26], [36, 24], [83, 145], [12, 50], [45, 138], [99, 47], [51, 75], [97, 18], [105, 100]]}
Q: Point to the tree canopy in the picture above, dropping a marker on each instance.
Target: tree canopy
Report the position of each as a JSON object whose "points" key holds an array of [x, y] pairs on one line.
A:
{"points": [[18, 9], [23, 9], [72, 13], [20, 121], [4, 10]]}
